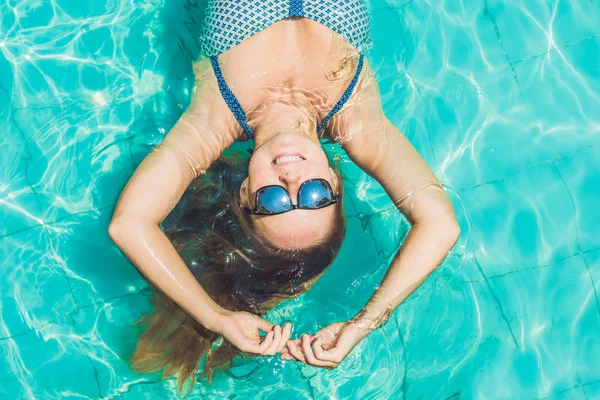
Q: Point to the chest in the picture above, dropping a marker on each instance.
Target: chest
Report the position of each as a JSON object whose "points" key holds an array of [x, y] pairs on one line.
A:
{"points": [[291, 58]]}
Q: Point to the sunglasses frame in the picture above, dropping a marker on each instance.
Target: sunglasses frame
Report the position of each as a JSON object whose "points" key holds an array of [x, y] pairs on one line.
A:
{"points": [[255, 211]]}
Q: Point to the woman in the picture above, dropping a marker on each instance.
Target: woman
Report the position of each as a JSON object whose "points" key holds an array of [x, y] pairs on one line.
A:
{"points": [[285, 74]]}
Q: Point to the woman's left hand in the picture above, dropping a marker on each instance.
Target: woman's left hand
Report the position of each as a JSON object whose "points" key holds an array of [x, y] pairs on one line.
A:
{"points": [[328, 347]]}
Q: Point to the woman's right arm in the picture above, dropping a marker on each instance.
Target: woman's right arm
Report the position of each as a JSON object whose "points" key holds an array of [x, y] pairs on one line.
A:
{"points": [[157, 185], [202, 133]]}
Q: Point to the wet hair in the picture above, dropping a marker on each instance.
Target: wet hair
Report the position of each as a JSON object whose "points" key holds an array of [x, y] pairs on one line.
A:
{"points": [[238, 269]]}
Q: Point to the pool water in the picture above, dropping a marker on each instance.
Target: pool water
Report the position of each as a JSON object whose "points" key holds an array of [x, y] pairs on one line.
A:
{"points": [[499, 97]]}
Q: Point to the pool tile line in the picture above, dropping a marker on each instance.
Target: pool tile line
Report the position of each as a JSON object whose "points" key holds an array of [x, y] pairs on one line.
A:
{"points": [[95, 210], [488, 14], [577, 244], [365, 220], [513, 63], [23, 333], [522, 169], [96, 378], [588, 384], [27, 158], [103, 302], [400, 7], [404, 387], [7, 93], [578, 253], [526, 269], [581, 385], [587, 266], [512, 334], [555, 49], [126, 388], [21, 230], [454, 396], [58, 220], [133, 162]]}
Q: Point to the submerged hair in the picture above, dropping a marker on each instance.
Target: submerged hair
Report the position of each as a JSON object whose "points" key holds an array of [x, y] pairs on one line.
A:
{"points": [[238, 269]]}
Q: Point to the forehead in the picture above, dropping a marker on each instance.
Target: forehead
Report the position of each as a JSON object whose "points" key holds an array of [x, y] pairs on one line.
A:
{"points": [[297, 229]]}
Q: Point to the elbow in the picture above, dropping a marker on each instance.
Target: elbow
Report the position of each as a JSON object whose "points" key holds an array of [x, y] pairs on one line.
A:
{"points": [[116, 229], [451, 231], [123, 229], [445, 231]]}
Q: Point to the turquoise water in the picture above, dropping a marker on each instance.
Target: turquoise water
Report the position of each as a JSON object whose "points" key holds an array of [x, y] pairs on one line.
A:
{"points": [[500, 98]]}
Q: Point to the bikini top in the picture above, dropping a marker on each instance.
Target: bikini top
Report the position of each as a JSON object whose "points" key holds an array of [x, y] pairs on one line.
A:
{"points": [[229, 22]]}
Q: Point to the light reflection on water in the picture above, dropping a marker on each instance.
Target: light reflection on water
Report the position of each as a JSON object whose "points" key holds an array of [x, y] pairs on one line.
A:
{"points": [[500, 99]]}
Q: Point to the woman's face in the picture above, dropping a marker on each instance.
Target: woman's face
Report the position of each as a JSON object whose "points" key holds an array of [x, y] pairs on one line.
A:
{"points": [[288, 160]]}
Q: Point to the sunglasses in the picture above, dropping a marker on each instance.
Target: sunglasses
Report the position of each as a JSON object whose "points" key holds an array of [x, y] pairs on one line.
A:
{"points": [[313, 194]]}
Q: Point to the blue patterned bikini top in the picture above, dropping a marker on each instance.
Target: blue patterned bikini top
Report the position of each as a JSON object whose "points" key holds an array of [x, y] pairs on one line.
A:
{"points": [[230, 22]]}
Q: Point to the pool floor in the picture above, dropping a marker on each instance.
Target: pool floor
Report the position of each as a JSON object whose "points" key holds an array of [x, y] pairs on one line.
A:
{"points": [[499, 97]]}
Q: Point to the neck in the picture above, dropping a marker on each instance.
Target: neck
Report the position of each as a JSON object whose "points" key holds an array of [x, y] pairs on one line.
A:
{"points": [[279, 118]]}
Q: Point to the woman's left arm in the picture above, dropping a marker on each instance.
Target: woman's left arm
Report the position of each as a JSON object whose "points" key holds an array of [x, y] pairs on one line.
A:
{"points": [[383, 152]]}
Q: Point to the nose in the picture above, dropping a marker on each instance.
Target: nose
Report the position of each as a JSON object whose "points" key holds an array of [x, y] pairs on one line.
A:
{"points": [[290, 179]]}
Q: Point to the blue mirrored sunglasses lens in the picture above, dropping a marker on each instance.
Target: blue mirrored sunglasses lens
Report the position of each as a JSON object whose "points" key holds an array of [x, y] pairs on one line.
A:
{"points": [[272, 200], [315, 194]]}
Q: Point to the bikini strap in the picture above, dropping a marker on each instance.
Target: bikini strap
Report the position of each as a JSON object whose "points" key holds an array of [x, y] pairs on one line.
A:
{"points": [[230, 99], [296, 8], [344, 97], [240, 115]]}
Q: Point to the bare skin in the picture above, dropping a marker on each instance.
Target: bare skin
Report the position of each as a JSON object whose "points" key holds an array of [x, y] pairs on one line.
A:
{"points": [[287, 77]]}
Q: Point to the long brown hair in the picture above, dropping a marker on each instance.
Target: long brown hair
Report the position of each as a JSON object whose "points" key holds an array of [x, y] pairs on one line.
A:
{"points": [[239, 271]]}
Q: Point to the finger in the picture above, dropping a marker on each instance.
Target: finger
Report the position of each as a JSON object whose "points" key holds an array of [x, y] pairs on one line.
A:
{"points": [[264, 325], [272, 349], [310, 356], [297, 342], [285, 352], [286, 333], [334, 354], [266, 343], [318, 350], [295, 351]]}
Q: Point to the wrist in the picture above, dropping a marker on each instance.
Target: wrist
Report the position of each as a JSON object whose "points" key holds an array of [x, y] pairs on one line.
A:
{"points": [[361, 324], [215, 318], [370, 319]]}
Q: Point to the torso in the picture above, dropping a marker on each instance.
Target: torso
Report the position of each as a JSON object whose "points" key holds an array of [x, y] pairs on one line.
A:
{"points": [[293, 60]]}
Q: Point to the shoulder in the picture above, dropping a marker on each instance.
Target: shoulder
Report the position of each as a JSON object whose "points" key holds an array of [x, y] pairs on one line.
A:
{"points": [[363, 113], [207, 104]]}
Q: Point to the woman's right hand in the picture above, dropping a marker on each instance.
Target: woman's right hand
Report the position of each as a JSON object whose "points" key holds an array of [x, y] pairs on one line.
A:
{"points": [[242, 330]]}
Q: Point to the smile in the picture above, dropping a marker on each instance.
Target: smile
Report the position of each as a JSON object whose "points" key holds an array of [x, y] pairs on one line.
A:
{"points": [[287, 159]]}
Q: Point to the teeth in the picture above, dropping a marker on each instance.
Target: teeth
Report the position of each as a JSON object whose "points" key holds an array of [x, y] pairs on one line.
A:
{"points": [[284, 159]]}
